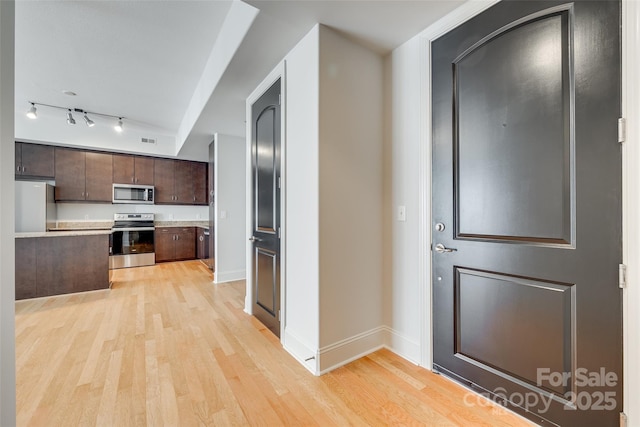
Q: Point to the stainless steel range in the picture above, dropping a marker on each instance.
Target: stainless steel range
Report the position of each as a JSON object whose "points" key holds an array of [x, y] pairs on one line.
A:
{"points": [[132, 240]]}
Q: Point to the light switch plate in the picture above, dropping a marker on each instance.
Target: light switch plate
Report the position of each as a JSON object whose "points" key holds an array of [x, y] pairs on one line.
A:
{"points": [[402, 213], [223, 214]]}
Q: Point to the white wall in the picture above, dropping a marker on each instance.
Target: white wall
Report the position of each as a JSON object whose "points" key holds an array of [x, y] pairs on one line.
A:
{"points": [[301, 184], [105, 211], [7, 245], [351, 135], [230, 212], [51, 128], [402, 292]]}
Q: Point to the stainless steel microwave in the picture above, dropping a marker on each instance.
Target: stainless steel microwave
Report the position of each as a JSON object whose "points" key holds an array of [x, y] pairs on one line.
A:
{"points": [[128, 193]]}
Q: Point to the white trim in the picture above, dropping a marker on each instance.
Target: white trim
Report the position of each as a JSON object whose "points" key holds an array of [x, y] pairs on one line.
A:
{"points": [[279, 72], [345, 351], [229, 276], [457, 17], [303, 354], [631, 208], [402, 345]]}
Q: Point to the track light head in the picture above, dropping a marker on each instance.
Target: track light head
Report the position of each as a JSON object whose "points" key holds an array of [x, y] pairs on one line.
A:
{"points": [[118, 126], [88, 121], [32, 114], [70, 119]]}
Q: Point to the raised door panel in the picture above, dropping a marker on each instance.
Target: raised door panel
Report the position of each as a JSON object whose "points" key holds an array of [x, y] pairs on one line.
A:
{"points": [[25, 268], [99, 175], [144, 170], [164, 244], [123, 169], [69, 174], [185, 243], [37, 161], [184, 182], [199, 171], [163, 177]]}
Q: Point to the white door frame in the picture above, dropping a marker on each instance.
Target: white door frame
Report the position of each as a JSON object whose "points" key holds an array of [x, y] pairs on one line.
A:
{"points": [[630, 194], [279, 72]]}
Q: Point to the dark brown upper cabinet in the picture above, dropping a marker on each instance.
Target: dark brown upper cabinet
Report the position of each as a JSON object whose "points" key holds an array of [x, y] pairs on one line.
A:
{"points": [[34, 161], [128, 169], [83, 176], [180, 182]]}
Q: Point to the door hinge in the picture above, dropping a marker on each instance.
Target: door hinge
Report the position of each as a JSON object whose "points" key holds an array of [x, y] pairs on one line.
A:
{"points": [[278, 232], [278, 315], [279, 99], [623, 419], [279, 182], [622, 276], [622, 129]]}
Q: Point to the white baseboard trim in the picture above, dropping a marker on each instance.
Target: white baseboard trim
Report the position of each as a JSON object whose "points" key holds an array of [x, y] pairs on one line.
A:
{"points": [[343, 352], [301, 352], [229, 276], [350, 349], [403, 346]]}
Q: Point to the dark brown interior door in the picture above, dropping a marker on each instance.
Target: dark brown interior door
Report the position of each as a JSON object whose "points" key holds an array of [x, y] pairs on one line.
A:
{"points": [[265, 155], [527, 209]]}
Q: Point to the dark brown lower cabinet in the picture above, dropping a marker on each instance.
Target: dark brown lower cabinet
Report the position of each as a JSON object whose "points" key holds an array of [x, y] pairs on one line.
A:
{"points": [[175, 243], [48, 266]]}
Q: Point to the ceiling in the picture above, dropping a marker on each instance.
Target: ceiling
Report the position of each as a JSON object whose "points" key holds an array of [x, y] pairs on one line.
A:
{"points": [[143, 59]]}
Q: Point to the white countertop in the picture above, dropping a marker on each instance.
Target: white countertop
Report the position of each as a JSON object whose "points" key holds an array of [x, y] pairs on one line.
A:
{"points": [[62, 233]]}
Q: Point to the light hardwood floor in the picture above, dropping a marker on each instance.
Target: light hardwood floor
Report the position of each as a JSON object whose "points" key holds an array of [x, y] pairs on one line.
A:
{"points": [[167, 347]]}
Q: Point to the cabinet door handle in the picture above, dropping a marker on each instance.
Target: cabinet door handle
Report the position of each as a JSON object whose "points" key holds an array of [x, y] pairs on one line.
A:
{"points": [[24, 169], [18, 168]]}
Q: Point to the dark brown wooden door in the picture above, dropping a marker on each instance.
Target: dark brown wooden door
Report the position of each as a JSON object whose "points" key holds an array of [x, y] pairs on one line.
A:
{"points": [[164, 178], [183, 186], [527, 209], [123, 169], [35, 160], [143, 170], [70, 173], [18, 154], [265, 158], [164, 244], [199, 172], [98, 177], [185, 243], [26, 268]]}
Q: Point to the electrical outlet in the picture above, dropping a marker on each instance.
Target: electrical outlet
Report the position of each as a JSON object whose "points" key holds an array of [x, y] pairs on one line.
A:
{"points": [[86, 217], [223, 214]]}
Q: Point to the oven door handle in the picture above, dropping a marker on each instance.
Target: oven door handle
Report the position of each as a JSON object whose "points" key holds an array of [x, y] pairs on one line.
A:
{"points": [[113, 230]]}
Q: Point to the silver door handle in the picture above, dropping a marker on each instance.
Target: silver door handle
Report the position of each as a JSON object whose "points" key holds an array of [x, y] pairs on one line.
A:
{"points": [[440, 248], [254, 239]]}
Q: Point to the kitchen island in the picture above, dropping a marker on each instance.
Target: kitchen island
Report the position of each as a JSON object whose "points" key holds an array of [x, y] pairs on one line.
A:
{"points": [[61, 262]]}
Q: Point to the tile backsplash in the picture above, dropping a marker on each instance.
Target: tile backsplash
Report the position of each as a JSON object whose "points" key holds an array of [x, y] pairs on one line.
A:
{"points": [[104, 212]]}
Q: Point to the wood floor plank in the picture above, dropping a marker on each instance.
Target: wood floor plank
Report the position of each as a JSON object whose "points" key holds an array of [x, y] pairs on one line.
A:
{"points": [[165, 346]]}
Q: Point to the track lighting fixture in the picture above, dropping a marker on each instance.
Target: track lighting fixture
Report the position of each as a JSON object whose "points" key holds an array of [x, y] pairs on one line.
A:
{"points": [[32, 114], [70, 118], [88, 121]]}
